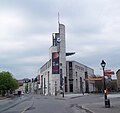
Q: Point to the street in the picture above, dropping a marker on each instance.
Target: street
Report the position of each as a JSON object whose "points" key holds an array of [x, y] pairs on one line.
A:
{"points": [[52, 104], [45, 104], [14, 104]]}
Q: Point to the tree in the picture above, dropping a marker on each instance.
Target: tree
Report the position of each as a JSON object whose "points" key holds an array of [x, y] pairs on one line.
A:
{"points": [[7, 83], [112, 85], [99, 84], [14, 84], [26, 87]]}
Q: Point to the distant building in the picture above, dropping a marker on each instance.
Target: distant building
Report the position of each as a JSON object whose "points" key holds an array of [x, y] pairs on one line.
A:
{"points": [[22, 83], [118, 79], [58, 75]]}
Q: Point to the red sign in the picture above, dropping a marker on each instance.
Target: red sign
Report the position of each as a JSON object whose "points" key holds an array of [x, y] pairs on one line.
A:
{"points": [[108, 72], [38, 79]]}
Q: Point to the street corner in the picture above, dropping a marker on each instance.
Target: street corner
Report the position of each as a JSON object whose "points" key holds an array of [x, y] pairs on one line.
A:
{"points": [[100, 108]]}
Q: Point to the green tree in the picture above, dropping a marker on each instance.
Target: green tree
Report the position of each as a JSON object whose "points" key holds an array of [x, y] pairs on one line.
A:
{"points": [[26, 87], [112, 85], [7, 83], [99, 84], [15, 84]]}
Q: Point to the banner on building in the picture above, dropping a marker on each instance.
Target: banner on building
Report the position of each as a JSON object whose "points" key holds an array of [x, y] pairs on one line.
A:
{"points": [[55, 63], [38, 79]]}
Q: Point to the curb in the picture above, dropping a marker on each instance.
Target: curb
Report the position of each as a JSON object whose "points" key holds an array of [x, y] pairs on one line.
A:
{"points": [[82, 108], [14, 104], [87, 109], [2, 98], [75, 97]]}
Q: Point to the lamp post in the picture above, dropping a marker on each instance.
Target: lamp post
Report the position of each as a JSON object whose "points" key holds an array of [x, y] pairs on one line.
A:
{"points": [[103, 64], [107, 101]]}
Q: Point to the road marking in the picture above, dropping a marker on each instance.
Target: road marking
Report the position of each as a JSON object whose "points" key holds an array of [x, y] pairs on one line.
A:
{"points": [[24, 110], [29, 106]]}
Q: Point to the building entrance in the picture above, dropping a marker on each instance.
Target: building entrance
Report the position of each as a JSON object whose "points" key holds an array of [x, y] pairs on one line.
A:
{"points": [[71, 87]]}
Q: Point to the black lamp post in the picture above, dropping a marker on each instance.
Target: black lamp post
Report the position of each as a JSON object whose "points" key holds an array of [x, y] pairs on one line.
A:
{"points": [[107, 101], [103, 64]]}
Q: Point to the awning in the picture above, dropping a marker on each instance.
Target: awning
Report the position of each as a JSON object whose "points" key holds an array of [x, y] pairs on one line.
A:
{"points": [[94, 79], [70, 53]]}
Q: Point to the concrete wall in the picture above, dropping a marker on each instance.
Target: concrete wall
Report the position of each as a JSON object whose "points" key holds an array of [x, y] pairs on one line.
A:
{"points": [[53, 85], [78, 71]]}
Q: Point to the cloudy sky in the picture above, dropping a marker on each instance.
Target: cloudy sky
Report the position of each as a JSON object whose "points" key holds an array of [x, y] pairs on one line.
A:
{"points": [[92, 31]]}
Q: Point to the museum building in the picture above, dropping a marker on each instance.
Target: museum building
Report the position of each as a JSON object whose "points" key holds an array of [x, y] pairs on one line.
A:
{"points": [[58, 75]]}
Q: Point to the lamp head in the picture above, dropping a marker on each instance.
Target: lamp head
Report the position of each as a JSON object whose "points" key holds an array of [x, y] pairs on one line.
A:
{"points": [[103, 63]]}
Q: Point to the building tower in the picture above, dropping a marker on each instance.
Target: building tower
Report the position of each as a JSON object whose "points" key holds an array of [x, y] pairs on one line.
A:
{"points": [[57, 55]]}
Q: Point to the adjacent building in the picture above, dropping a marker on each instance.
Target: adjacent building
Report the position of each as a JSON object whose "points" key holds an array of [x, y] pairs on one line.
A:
{"points": [[75, 78], [58, 75], [118, 79]]}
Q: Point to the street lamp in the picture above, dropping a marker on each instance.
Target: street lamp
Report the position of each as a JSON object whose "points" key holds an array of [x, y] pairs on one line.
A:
{"points": [[107, 101], [103, 64]]}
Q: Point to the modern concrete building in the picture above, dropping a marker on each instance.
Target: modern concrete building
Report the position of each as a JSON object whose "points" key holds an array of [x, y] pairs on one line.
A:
{"points": [[53, 72], [58, 75]]}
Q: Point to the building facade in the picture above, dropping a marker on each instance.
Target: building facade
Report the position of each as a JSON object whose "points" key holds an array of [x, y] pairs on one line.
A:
{"points": [[76, 74], [58, 75]]}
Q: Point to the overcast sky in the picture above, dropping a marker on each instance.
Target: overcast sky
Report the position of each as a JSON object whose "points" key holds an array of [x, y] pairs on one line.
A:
{"points": [[92, 31]]}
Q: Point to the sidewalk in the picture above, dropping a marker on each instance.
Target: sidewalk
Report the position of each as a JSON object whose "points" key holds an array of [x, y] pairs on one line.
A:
{"points": [[70, 96], [100, 106], [1, 98], [7, 97]]}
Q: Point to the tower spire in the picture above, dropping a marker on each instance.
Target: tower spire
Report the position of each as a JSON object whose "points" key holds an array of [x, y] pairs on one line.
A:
{"points": [[58, 18]]}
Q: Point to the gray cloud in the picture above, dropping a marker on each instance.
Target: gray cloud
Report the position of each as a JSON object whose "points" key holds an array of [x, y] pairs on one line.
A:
{"points": [[92, 31]]}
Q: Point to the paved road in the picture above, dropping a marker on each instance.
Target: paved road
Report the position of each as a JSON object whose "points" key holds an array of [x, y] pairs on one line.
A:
{"points": [[46, 104], [77, 104]]}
